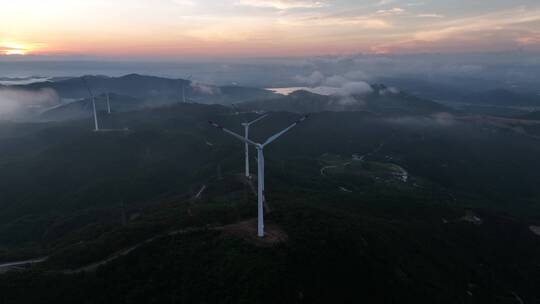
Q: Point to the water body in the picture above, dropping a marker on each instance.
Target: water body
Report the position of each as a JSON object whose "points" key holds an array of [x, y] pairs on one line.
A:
{"points": [[318, 90], [287, 91], [22, 81]]}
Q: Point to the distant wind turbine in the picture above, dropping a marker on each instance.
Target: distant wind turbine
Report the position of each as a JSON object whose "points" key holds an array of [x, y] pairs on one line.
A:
{"points": [[246, 144], [94, 110], [246, 126], [96, 125], [108, 104], [260, 167]]}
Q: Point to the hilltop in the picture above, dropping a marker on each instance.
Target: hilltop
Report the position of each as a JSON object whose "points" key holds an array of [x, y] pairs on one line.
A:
{"points": [[379, 99]]}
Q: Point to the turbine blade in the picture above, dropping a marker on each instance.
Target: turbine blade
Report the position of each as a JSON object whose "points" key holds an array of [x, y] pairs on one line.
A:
{"points": [[238, 136], [256, 120], [274, 137]]}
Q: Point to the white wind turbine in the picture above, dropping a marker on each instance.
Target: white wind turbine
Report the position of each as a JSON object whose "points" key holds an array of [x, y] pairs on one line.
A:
{"points": [[96, 125], [108, 104], [246, 126], [246, 144], [260, 167]]}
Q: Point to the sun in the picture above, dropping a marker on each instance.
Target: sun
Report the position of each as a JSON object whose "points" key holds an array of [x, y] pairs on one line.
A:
{"points": [[12, 48], [16, 52]]}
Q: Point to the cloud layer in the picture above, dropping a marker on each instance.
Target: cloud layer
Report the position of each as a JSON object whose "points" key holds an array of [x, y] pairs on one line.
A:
{"points": [[15, 103], [282, 4]]}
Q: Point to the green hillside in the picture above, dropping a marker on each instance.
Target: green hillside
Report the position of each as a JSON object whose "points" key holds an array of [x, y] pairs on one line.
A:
{"points": [[367, 203]]}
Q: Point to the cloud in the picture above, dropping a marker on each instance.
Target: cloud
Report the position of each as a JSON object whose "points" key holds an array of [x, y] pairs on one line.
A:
{"points": [[430, 16], [495, 21], [352, 82], [390, 12], [6, 50], [333, 21], [438, 68], [357, 75], [204, 88], [356, 88], [282, 4], [346, 87], [15, 102], [324, 90], [365, 22], [314, 79], [529, 40], [496, 30], [336, 81], [389, 91]]}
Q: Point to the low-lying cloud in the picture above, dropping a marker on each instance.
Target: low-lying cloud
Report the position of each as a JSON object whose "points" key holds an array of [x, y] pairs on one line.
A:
{"points": [[204, 88], [351, 83], [16, 103], [349, 87]]}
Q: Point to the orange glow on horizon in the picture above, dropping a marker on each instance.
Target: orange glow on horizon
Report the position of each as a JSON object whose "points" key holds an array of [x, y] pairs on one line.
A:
{"points": [[257, 28], [15, 52], [14, 48]]}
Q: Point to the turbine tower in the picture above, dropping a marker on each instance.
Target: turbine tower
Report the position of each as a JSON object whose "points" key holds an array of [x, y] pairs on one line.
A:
{"points": [[246, 144], [260, 168], [184, 93], [246, 126], [108, 104], [96, 125]]}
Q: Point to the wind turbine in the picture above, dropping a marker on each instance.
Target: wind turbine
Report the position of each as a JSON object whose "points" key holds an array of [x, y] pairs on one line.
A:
{"points": [[246, 126], [260, 168], [108, 104], [96, 125], [246, 144], [94, 110]]}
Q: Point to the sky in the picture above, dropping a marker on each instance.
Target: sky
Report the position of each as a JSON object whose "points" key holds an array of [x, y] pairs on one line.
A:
{"points": [[264, 28]]}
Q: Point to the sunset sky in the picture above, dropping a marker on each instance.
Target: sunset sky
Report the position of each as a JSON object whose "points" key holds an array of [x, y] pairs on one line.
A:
{"points": [[255, 28]]}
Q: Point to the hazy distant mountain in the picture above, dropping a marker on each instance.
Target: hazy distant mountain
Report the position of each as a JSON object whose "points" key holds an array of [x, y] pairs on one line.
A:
{"points": [[503, 97], [83, 108], [467, 90], [381, 100], [299, 102], [429, 89], [149, 88]]}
